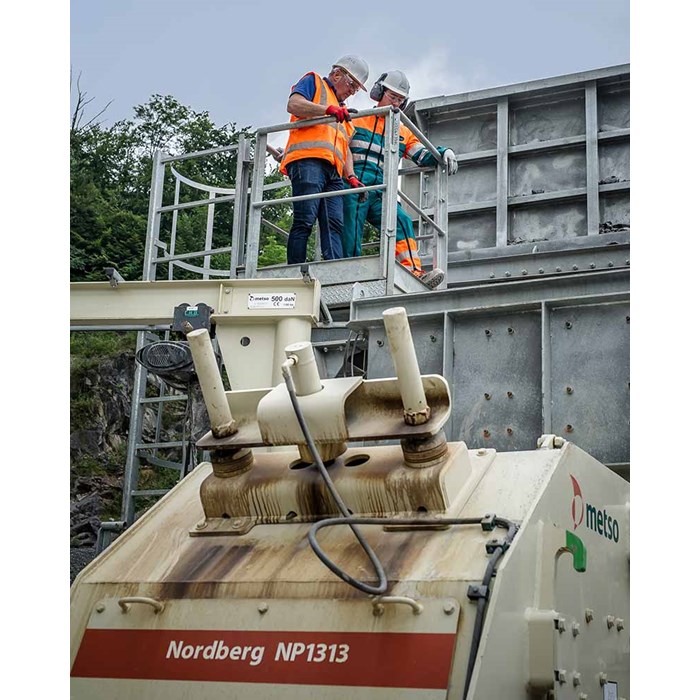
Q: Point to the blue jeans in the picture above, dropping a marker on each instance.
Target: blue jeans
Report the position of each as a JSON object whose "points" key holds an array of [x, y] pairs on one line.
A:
{"points": [[312, 176]]}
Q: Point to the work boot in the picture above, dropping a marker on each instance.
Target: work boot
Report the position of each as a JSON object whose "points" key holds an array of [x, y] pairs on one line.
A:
{"points": [[432, 278]]}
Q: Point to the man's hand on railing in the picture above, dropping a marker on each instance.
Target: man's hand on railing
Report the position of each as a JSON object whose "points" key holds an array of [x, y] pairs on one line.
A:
{"points": [[341, 114], [355, 181], [450, 160], [275, 152]]}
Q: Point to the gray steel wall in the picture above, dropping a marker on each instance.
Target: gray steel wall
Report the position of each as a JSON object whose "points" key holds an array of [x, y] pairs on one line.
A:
{"points": [[546, 160], [523, 358]]}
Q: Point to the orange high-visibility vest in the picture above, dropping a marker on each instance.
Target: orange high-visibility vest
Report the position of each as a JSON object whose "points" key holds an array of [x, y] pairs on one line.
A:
{"points": [[326, 141]]}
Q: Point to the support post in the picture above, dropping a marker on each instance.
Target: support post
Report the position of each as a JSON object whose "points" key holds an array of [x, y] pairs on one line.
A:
{"points": [[592, 167], [502, 173]]}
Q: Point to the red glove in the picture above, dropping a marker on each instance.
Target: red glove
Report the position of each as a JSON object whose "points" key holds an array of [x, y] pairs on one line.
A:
{"points": [[341, 114], [355, 181]]}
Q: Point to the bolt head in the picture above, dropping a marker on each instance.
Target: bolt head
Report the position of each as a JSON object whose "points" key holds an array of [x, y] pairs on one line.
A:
{"points": [[576, 678], [602, 678], [200, 525], [560, 675], [611, 621], [481, 452], [449, 608], [576, 629], [263, 608], [620, 624], [589, 614], [100, 608]]}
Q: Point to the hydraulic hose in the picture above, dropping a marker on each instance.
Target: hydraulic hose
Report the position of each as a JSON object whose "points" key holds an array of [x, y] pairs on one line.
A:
{"points": [[498, 552], [379, 570]]}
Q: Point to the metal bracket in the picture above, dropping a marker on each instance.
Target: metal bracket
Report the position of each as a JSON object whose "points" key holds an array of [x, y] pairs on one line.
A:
{"points": [[488, 522], [306, 272], [493, 545], [477, 592], [113, 276], [550, 442]]}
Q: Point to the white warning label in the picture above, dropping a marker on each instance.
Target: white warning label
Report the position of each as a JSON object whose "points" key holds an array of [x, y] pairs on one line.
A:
{"points": [[278, 300]]}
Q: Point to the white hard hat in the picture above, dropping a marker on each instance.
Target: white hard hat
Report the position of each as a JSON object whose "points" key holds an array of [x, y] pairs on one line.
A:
{"points": [[357, 67], [396, 81]]}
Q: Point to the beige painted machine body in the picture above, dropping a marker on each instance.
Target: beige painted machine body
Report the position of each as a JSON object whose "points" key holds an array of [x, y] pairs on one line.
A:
{"points": [[268, 580], [216, 593]]}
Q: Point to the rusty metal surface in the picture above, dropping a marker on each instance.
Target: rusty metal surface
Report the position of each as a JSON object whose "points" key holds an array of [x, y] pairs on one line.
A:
{"points": [[373, 482], [158, 557], [373, 411]]}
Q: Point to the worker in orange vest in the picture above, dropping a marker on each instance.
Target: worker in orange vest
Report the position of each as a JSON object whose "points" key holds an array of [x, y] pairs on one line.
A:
{"points": [[367, 148], [316, 157]]}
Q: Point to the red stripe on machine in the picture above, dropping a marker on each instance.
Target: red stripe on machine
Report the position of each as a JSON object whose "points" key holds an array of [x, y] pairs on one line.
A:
{"points": [[374, 659]]}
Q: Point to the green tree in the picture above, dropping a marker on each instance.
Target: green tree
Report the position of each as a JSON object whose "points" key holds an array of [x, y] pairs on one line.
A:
{"points": [[110, 186]]}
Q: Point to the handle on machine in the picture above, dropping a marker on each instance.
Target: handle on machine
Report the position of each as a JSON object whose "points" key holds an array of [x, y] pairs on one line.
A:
{"points": [[125, 603], [379, 601]]}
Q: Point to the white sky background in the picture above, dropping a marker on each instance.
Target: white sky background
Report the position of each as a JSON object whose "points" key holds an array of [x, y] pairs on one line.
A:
{"points": [[211, 59], [237, 60]]}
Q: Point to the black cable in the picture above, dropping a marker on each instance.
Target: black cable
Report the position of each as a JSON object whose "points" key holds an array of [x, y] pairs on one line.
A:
{"points": [[379, 570], [498, 552], [481, 603], [418, 521], [346, 349]]}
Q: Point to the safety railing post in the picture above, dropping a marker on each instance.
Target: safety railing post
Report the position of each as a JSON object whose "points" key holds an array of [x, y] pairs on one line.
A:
{"points": [[387, 248], [440, 240], [173, 230], [256, 196], [153, 224], [240, 203]]}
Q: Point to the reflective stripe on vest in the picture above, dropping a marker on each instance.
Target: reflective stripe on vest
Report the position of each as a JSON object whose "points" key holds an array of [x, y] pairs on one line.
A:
{"points": [[326, 141]]}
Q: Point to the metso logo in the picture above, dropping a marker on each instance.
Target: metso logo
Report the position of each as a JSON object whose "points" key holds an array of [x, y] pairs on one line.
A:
{"points": [[597, 520]]}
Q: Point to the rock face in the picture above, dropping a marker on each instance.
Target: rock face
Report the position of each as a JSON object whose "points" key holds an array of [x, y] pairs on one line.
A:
{"points": [[100, 411]]}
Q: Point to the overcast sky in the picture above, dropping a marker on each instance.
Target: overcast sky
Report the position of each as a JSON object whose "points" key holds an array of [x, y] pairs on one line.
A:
{"points": [[237, 59]]}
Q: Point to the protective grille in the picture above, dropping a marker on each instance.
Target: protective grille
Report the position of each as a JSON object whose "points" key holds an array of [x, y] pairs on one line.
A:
{"points": [[165, 356]]}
